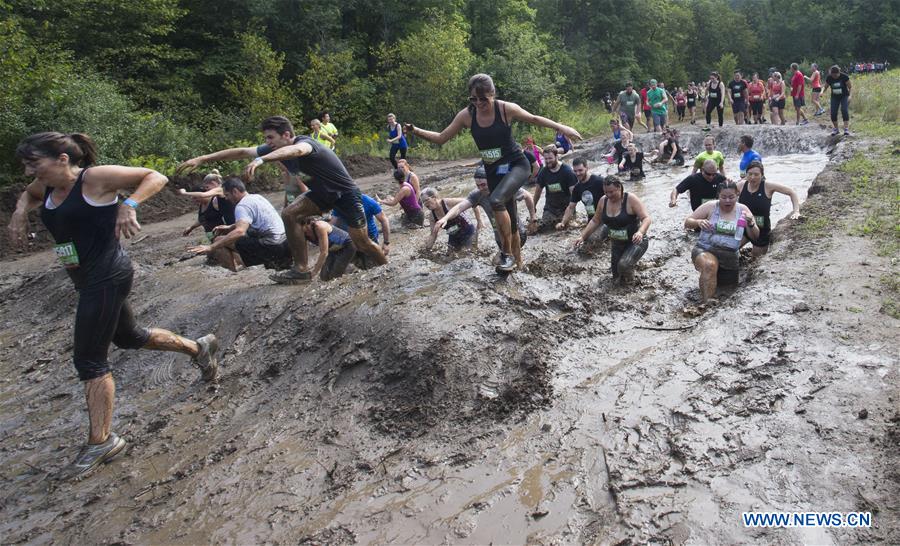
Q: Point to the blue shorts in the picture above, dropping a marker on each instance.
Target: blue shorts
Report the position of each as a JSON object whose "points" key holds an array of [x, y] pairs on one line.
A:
{"points": [[659, 120]]}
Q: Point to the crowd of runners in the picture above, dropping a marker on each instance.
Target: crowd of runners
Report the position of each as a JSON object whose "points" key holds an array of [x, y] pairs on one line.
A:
{"points": [[80, 205]]}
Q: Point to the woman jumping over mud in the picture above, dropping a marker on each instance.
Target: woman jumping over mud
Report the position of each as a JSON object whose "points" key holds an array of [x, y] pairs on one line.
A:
{"points": [[723, 224], [507, 169], [757, 194], [627, 222], [81, 210]]}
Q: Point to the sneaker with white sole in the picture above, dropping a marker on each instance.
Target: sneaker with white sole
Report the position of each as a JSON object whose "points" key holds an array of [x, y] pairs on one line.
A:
{"points": [[93, 455], [206, 359]]}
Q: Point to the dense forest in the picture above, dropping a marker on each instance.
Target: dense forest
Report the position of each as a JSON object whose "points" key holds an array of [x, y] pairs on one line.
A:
{"points": [[158, 80]]}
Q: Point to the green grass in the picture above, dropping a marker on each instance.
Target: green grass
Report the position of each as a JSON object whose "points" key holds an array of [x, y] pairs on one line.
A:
{"points": [[588, 119]]}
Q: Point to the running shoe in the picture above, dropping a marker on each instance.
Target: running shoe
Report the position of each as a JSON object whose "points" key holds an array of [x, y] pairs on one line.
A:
{"points": [[804, 122], [846, 132], [834, 132], [93, 455], [206, 360], [506, 263], [291, 276]]}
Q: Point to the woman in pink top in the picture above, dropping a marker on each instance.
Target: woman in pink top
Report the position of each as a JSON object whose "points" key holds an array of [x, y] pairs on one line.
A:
{"points": [[408, 200], [528, 145], [816, 83]]}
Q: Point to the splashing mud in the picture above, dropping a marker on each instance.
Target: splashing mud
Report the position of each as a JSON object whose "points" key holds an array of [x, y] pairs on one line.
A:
{"points": [[431, 401]]}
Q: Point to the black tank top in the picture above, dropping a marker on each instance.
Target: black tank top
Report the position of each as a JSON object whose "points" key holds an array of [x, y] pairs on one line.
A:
{"points": [[212, 217], [85, 238], [758, 203], [496, 142], [623, 223], [714, 92], [453, 226]]}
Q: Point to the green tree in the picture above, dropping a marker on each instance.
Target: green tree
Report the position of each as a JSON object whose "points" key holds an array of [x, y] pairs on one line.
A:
{"points": [[255, 86], [424, 75]]}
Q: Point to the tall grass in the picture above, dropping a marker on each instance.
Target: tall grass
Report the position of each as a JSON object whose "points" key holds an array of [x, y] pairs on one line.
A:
{"points": [[874, 108]]}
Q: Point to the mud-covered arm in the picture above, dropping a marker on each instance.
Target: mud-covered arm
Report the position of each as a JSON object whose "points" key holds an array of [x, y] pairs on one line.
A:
{"points": [[795, 200], [30, 199], [322, 234]]}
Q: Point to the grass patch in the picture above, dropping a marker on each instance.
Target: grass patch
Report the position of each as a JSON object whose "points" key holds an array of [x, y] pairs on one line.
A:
{"points": [[890, 305], [588, 119], [875, 180]]}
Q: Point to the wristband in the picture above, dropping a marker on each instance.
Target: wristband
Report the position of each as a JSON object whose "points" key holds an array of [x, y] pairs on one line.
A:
{"points": [[258, 161], [131, 203]]}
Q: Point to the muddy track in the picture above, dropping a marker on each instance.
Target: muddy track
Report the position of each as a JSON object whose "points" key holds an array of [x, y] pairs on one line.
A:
{"points": [[431, 401]]}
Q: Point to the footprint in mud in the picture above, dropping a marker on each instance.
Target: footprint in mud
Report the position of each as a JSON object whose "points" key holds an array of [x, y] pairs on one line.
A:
{"points": [[163, 374]]}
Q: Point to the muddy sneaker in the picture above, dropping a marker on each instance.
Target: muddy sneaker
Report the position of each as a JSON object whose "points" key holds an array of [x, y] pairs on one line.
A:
{"points": [[846, 132], [291, 276], [804, 122], [93, 455], [206, 360], [506, 263], [834, 132]]}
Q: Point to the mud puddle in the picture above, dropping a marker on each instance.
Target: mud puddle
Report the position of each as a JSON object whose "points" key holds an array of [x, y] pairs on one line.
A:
{"points": [[431, 401]]}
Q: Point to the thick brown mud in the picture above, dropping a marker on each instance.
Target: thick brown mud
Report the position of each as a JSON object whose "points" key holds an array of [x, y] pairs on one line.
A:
{"points": [[431, 401]]}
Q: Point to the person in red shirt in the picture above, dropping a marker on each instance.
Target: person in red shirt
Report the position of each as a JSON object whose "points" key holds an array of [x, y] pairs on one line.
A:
{"points": [[798, 91], [645, 106], [816, 83], [757, 91]]}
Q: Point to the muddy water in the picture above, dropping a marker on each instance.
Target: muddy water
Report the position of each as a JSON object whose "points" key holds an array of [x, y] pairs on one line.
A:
{"points": [[527, 488], [430, 401]]}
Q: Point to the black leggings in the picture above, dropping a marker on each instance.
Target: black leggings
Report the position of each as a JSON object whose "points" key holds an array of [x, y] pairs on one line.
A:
{"points": [[710, 106], [842, 102], [394, 149], [624, 255], [103, 316], [504, 186]]}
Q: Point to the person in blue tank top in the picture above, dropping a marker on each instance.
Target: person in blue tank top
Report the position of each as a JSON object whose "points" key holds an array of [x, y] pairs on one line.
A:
{"points": [[82, 212], [505, 165], [396, 139], [336, 249]]}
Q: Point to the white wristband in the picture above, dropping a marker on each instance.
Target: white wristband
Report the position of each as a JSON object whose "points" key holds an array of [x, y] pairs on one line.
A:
{"points": [[258, 161]]}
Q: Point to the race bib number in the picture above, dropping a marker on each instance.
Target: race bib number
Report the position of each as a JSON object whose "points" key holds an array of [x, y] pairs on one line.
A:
{"points": [[490, 155], [713, 95], [737, 95], [453, 229], [725, 227], [207, 238], [619, 234], [757, 97], [554, 187], [837, 90], [590, 210], [761, 221], [707, 200], [503, 169], [67, 255]]}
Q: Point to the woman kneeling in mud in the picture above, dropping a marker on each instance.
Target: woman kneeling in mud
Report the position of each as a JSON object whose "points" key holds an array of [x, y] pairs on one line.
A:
{"points": [[723, 224], [461, 234], [627, 220]]}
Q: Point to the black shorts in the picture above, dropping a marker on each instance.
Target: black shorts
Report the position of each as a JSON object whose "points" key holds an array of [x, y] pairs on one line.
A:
{"points": [[777, 104], [763, 240], [816, 89], [799, 102], [691, 103], [349, 204], [103, 316], [738, 105], [756, 107], [254, 251]]}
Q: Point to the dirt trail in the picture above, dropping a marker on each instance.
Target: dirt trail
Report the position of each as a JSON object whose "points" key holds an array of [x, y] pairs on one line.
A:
{"points": [[430, 401]]}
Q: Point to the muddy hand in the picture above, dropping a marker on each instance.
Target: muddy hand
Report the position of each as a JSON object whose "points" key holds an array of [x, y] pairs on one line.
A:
{"points": [[127, 224], [409, 128], [202, 249], [571, 132], [18, 230], [188, 166]]}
